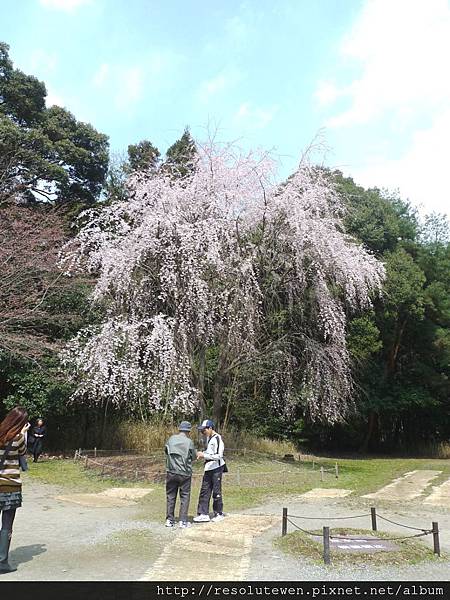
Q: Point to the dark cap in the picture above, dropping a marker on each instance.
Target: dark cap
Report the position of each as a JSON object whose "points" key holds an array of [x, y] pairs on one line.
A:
{"points": [[184, 426], [206, 423]]}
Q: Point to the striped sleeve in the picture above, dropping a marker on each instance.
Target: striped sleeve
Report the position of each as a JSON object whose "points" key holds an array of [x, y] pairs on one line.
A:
{"points": [[22, 449]]}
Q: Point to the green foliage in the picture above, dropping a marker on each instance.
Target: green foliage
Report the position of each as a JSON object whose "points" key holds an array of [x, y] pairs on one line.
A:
{"points": [[45, 152], [363, 337], [403, 290], [180, 157], [143, 156], [378, 220], [40, 389]]}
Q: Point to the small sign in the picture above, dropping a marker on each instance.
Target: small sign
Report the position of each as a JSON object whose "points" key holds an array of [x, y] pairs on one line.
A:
{"points": [[363, 544]]}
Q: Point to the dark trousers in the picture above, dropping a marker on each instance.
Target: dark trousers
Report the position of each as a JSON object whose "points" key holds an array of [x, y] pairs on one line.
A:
{"points": [[178, 484], [8, 518], [37, 448], [211, 484]]}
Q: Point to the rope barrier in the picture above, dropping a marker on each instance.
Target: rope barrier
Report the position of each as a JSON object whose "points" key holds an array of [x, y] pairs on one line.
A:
{"points": [[400, 524], [372, 539], [330, 518], [423, 533], [304, 530], [91, 460]]}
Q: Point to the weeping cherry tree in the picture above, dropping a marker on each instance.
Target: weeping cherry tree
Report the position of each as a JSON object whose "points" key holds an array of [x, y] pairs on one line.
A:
{"points": [[183, 265]]}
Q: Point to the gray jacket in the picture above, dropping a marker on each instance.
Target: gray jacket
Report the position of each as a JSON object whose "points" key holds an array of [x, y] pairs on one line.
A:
{"points": [[180, 454]]}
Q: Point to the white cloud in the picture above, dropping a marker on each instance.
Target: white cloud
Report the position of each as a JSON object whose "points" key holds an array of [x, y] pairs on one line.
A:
{"points": [[127, 84], [255, 117], [42, 61], [398, 97], [130, 88], [101, 75], [65, 5], [218, 84], [54, 99], [403, 49], [327, 93], [421, 174], [237, 29]]}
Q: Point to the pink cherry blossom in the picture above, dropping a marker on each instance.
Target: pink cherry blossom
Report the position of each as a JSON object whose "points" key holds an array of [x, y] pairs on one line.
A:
{"points": [[181, 265]]}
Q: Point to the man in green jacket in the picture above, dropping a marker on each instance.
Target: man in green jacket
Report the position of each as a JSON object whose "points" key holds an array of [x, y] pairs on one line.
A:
{"points": [[180, 454]]}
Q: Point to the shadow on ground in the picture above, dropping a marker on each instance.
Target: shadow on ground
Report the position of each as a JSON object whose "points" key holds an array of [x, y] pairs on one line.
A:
{"points": [[25, 554]]}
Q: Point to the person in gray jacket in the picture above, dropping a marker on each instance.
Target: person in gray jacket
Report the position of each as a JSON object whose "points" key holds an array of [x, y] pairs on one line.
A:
{"points": [[180, 454]]}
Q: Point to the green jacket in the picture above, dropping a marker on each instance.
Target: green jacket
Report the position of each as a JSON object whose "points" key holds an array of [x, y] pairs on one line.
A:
{"points": [[180, 454]]}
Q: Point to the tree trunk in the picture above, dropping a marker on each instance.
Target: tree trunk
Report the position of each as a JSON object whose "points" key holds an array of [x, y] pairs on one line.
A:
{"points": [[201, 381], [86, 425], [219, 385], [103, 425], [391, 365], [372, 426]]}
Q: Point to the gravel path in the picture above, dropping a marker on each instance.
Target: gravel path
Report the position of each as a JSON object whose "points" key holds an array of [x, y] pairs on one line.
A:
{"points": [[267, 563], [57, 540]]}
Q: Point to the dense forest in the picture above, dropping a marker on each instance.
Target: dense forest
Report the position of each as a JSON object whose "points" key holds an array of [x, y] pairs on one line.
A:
{"points": [[61, 193]]}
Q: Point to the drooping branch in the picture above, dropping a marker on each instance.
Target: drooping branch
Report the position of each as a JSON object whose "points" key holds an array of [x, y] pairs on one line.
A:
{"points": [[190, 263]]}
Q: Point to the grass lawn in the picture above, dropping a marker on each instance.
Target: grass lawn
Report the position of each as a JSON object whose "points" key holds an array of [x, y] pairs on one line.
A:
{"points": [[260, 479], [410, 551]]}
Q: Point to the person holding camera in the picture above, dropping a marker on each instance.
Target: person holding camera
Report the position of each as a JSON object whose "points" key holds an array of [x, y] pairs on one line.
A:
{"points": [[12, 457]]}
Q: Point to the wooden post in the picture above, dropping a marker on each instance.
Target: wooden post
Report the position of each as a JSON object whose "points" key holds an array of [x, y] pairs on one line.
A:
{"points": [[136, 475], [336, 470], [437, 547], [95, 452], [321, 473], [284, 522], [75, 456], [373, 514], [326, 545]]}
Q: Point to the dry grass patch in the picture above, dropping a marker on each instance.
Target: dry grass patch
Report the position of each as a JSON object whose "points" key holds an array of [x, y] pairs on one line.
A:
{"points": [[411, 551]]}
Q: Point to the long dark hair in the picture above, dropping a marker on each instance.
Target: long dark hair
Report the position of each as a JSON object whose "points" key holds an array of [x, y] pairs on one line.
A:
{"points": [[12, 424]]}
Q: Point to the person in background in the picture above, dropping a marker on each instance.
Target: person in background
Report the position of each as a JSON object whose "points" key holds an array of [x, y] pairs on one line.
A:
{"points": [[180, 454], [12, 447], [37, 433], [212, 477]]}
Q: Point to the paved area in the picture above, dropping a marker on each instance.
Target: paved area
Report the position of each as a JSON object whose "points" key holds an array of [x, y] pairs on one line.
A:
{"points": [[327, 493], [408, 486], [108, 498], [211, 551], [440, 496]]}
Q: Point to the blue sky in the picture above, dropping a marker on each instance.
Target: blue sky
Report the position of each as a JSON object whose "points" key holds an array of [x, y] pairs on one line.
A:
{"points": [[370, 75]]}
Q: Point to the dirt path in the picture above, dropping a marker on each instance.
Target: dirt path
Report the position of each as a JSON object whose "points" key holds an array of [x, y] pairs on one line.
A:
{"points": [[211, 551]]}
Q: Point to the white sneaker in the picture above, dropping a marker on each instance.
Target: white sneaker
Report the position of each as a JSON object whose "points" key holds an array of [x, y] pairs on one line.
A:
{"points": [[218, 518], [184, 524], [201, 519], [169, 523]]}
